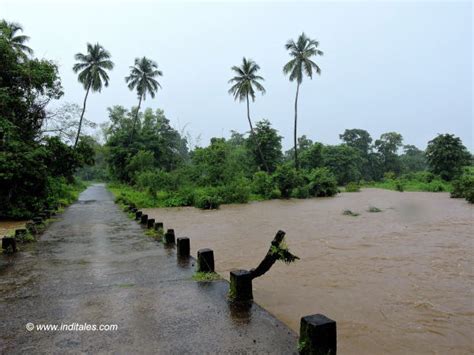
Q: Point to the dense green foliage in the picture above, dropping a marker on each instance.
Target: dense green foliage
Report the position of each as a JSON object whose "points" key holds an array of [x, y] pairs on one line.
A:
{"points": [[463, 187], [36, 171], [446, 156]]}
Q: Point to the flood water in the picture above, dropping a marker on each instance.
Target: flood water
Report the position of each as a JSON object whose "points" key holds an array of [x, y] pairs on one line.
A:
{"points": [[398, 281]]}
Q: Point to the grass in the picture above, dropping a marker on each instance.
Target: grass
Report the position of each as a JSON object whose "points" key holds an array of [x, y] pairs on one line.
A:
{"points": [[350, 213], [436, 185], [206, 276], [154, 234]]}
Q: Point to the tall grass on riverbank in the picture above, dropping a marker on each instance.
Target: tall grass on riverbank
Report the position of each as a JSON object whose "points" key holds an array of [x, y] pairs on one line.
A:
{"points": [[420, 181]]}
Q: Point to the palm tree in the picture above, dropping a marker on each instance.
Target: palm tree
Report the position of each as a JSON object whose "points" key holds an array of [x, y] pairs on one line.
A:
{"points": [[8, 30], [244, 85], [301, 51], [92, 68], [142, 77]]}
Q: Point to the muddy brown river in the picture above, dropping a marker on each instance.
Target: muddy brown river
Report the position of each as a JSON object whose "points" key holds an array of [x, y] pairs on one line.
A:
{"points": [[398, 281]]}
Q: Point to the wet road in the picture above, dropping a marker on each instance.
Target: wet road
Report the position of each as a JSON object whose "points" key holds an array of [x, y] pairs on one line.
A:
{"points": [[94, 266]]}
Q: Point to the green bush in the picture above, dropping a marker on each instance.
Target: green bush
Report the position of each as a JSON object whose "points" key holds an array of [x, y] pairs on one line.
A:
{"points": [[207, 198], [286, 179], [301, 192], [262, 184], [464, 187], [237, 191], [352, 187], [390, 175], [322, 183]]}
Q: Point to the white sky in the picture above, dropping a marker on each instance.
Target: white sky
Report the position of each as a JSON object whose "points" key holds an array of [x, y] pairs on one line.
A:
{"points": [[388, 66]]}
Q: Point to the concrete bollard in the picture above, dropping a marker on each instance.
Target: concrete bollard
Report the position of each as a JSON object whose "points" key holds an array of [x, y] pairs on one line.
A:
{"points": [[169, 236], [159, 226], [318, 335], [205, 260], [144, 219], [134, 210], [37, 220], [150, 223], [183, 247], [8, 242], [138, 215], [241, 286]]}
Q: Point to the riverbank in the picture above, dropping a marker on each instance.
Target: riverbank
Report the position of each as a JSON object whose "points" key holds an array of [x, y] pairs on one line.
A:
{"points": [[395, 280]]}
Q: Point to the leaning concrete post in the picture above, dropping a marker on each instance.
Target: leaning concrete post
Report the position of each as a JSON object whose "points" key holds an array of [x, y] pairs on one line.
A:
{"points": [[9, 242], [205, 260], [241, 280], [183, 247], [150, 223], [169, 236], [159, 226], [144, 219], [318, 335], [138, 215], [241, 286]]}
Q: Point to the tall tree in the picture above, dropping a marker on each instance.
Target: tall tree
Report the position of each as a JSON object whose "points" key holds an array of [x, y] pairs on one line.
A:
{"points": [[142, 77], [302, 50], [8, 31], [446, 155], [92, 68], [245, 83]]}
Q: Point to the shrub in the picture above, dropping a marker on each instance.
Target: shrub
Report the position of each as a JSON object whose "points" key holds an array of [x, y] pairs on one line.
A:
{"points": [[464, 187], [389, 175], [154, 181], [399, 186], [352, 187], [207, 198], [322, 183], [237, 191], [301, 192], [262, 184], [287, 178]]}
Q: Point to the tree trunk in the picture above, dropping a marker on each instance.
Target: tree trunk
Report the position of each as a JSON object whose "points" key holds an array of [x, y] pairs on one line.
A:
{"points": [[136, 119], [295, 133], [255, 137], [82, 116]]}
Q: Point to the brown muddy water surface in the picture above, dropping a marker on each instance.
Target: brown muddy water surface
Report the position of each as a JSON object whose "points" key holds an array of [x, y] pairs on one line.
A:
{"points": [[398, 281]]}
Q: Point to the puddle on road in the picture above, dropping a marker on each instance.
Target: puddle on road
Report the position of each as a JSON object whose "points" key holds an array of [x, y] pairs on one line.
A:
{"points": [[396, 281]]}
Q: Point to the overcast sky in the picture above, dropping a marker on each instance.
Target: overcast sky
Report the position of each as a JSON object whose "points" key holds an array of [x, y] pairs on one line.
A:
{"points": [[388, 66]]}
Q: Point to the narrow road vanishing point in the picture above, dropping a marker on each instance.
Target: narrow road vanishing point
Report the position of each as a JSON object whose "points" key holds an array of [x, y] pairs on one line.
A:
{"points": [[94, 266]]}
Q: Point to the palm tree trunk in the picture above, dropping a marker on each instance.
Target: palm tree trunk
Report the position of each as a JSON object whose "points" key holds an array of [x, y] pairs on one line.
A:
{"points": [[295, 133], [136, 119], [255, 137], [82, 116]]}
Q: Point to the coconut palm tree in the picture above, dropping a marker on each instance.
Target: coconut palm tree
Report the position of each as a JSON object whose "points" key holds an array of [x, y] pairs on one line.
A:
{"points": [[92, 68], [8, 30], [142, 77], [301, 51], [245, 83]]}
